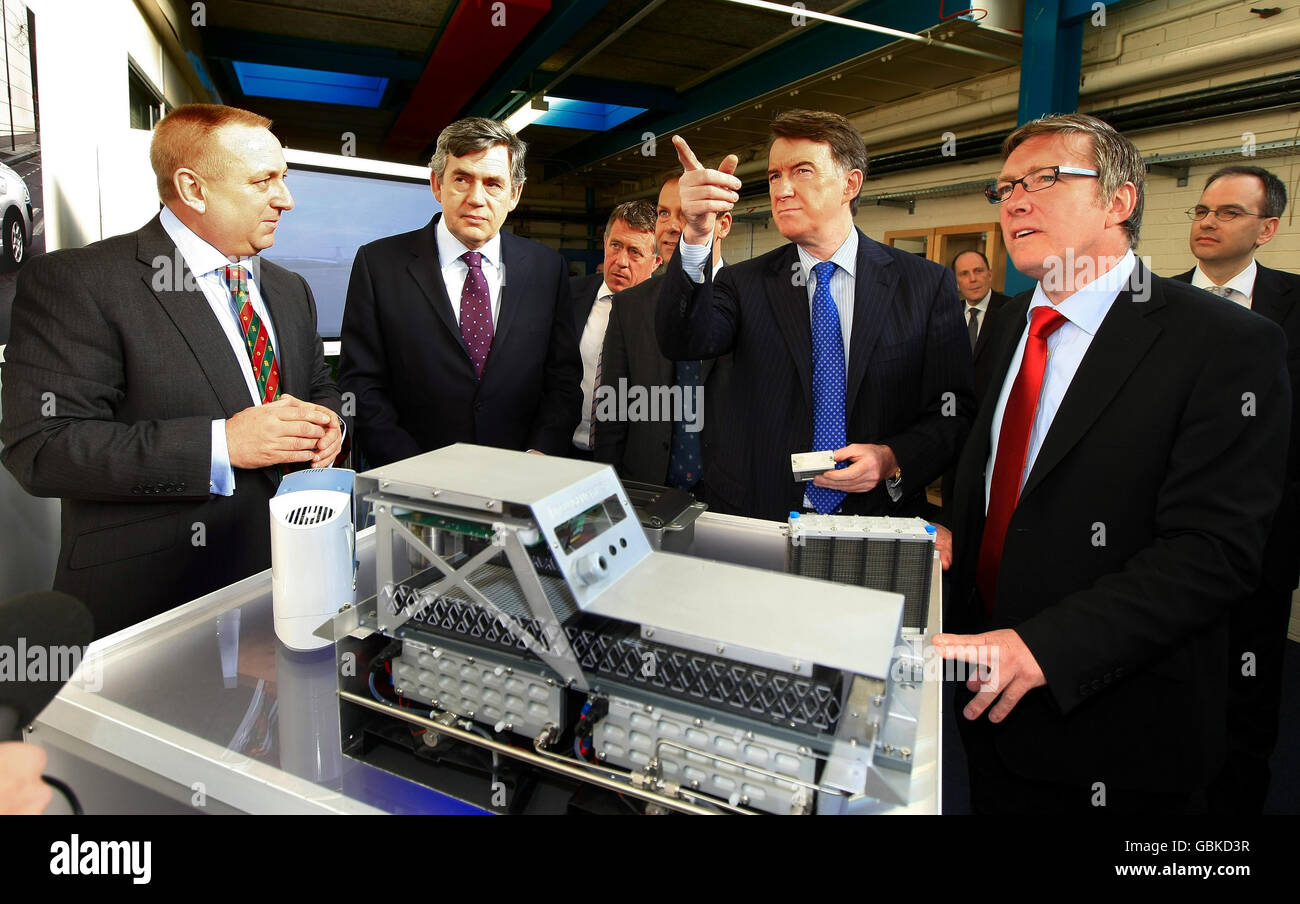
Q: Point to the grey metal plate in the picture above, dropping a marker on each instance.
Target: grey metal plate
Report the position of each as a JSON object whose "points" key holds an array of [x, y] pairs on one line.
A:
{"points": [[818, 622], [502, 474]]}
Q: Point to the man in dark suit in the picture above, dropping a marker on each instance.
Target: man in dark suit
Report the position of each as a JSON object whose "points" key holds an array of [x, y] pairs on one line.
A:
{"points": [[667, 446], [839, 343], [458, 332], [975, 283], [153, 380], [1112, 502], [1239, 211], [630, 257]]}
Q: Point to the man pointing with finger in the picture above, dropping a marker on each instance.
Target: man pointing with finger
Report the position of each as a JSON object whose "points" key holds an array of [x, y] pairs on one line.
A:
{"points": [[840, 343], [158, 381]]}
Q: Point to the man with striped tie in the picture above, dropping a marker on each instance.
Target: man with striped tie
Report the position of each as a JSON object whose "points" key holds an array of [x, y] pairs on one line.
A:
{"points": [[160, 382]]}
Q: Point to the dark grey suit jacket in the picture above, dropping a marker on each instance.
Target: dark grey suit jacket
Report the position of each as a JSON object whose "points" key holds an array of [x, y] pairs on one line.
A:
{"points": [[639, 450], [112, 378]]}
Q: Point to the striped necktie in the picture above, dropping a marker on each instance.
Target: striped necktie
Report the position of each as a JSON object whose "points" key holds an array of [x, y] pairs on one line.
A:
{"points": [[261, 353]]}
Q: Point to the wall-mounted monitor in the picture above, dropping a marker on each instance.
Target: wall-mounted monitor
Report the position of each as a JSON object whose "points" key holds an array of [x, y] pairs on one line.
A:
{"points": [[340, 203]]}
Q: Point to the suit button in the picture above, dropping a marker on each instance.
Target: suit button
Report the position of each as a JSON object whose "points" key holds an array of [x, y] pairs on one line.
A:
{"points": [[159, 488], [478, 406], [180, 487], [135, 490]]}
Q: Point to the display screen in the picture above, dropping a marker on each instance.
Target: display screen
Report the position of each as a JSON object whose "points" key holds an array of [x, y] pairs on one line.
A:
{"points": [[334, 214], [579, 531]]}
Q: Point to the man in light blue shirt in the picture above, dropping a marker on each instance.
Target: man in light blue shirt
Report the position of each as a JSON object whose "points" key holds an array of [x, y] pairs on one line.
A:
{"points": [[161, 382], [1112, 504]]}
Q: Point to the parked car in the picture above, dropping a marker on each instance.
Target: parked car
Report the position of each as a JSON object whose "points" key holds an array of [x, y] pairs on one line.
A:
{"points": [[15, 218]]}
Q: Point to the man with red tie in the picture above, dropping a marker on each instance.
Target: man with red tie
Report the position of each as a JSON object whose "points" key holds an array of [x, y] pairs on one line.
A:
{"points": [[459, 332], [159, 382], [1112, 502]]}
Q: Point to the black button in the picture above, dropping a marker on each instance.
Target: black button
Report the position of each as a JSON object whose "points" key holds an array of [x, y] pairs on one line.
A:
{"points": [[478, 406], [135, 490], [180, 487], [159, 488]]}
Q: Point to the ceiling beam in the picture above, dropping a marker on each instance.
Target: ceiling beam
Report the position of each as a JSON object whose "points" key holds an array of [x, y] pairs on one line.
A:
{"points": [[478, 38], [566, 19], [799, 58]]}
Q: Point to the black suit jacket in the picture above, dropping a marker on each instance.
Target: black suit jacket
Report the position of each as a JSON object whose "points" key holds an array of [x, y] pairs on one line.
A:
{"points": [[1141, 522], [640, 449], [414, 383], [111, 382], [583, 290], [1277, 297], [996, 302], [908, 383]]}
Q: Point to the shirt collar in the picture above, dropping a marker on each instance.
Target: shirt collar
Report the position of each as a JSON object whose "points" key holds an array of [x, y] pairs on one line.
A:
{"points": [[1243, 282], [605, 290], [450, 248], [983, 303], [1088, 307], [201, 257], [845, 257]]}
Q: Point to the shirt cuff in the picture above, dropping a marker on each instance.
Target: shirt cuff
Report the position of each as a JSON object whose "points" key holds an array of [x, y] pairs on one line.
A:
{"points": [[694, 257], [894, 487], [221, 476]]}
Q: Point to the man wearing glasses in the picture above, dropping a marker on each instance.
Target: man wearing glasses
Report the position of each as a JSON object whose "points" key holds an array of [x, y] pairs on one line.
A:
{"points": [[1112, 502], [1239, 211]]}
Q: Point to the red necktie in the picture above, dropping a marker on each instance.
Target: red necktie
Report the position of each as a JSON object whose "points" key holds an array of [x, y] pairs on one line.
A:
{"points": [[257, 339], [1013, 449]]}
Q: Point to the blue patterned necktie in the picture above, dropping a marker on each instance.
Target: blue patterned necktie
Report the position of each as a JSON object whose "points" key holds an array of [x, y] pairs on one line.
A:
{"points": [[827, 382], [684, 469]]}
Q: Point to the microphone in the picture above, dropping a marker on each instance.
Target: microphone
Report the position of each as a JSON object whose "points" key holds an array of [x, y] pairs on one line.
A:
{"points": [[49, 624]]}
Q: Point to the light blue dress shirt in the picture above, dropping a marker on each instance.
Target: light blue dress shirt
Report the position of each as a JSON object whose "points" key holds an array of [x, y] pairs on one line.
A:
{"points": [[843, 289], [1084, 311]]}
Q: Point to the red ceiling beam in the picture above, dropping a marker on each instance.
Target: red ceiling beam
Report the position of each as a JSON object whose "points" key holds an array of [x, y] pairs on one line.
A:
{"points": [[481, 35]]}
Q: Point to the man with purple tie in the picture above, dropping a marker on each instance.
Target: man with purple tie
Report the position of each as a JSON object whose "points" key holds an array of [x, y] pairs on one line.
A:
{"points": [[458, 332]]}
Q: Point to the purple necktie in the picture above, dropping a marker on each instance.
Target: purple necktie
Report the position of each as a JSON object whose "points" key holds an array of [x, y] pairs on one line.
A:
{"points": [[476, 312]]}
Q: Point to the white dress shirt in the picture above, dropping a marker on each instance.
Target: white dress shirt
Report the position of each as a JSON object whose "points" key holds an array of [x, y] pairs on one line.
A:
{"points": [[454, 270], [593, 340], [1084, 311], [207, 264], [1243, 283]]}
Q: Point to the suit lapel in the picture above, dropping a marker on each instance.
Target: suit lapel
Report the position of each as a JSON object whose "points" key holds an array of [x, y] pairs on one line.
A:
{"points": [[518, 265], [1272, 297], [193, 318], [875, 282], [426, 270], [789, 304], [1121, 342]]}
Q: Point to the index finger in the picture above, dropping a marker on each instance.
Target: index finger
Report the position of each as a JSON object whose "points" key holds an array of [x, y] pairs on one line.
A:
{"points": [[684, 154]]}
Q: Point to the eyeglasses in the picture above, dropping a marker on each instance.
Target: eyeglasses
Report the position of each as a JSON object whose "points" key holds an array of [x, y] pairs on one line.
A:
{"points": [[1035, 181], [1222, 214]]}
